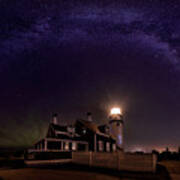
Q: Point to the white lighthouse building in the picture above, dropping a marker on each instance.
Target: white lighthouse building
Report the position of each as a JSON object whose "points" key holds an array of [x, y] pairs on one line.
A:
{"points": [[116, 126]]}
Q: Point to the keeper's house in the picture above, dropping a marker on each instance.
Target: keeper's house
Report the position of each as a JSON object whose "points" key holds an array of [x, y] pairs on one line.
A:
{"points": [[60, 140]]}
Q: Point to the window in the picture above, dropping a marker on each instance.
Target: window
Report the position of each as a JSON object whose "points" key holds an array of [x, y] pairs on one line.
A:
{"points": [[40, 145], [60, 145], [66, 146], [100, 143], [114, 147], [53, 145], [37, 146], [107, 146], [73, 146], [84, 131], [81, 147]]}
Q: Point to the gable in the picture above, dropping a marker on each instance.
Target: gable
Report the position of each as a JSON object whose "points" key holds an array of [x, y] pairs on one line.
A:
{"points": [[51, 132]]}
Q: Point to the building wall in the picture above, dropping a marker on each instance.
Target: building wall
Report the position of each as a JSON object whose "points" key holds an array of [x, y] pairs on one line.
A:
{"points": [[117, 160], [101, 144], [116, 129]]}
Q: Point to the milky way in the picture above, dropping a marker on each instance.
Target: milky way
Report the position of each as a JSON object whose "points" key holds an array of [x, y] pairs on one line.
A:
{"points": [[72, 57]]}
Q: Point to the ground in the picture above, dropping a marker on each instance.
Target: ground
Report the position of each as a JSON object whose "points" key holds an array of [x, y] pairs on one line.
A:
{"points": [[173, 168], [75, 173], [41, 174], [167, 170]]}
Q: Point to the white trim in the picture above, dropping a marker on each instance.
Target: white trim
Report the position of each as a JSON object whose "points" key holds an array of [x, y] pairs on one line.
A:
{"points": [[67, 133], [71, 129], [48, 150], [38, 162], [62, 140], [61, 132], [95, 146], [102, 134]]}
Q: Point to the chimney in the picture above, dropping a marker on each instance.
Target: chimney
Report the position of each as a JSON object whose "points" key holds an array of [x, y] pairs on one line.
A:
{"points": [[89, 116], [55, 119]]}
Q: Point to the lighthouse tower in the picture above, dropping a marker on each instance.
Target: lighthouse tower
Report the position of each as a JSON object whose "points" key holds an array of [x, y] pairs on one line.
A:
{"points": [[116, 126]]}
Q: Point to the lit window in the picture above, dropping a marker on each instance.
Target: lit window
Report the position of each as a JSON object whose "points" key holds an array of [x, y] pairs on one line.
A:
{"points": [[84, 131], [73, 146], [114, 147], [66, 146], [107, 146], [100, 146]]}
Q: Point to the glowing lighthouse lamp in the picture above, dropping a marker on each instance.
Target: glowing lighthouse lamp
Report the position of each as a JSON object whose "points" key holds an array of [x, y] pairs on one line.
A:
{"points": [[115, 111]]}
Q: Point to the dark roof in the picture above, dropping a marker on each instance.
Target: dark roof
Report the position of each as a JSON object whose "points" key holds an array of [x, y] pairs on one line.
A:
{"points": [[62, 136], [93, 127], [103, 128], [59, 128], [90, 125], [79, 138]]}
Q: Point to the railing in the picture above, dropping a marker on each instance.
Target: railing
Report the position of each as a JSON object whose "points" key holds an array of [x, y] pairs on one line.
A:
{"points": [[48, 150]]}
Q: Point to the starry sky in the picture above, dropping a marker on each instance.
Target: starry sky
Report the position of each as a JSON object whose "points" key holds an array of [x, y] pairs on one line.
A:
{"points": [[75, 56]]}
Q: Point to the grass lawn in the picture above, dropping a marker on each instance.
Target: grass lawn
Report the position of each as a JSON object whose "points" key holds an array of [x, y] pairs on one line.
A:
{"points": [[44, 174]]}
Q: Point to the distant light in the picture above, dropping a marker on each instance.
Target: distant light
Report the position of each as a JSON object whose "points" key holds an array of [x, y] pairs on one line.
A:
{"points": [[115, 111]]}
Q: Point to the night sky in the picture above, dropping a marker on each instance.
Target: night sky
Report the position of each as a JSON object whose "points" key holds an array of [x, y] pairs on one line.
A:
{"points": [[70, 57]]}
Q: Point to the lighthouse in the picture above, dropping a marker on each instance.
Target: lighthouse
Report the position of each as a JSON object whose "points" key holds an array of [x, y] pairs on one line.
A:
{"points": [[116, 126]]}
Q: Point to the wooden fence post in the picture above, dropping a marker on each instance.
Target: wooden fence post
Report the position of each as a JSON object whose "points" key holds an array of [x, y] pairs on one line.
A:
{"points": [[90, 158], [154, 159]]}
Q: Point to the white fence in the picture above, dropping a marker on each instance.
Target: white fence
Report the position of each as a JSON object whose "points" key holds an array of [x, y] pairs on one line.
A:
{"points": [[117, 160]]}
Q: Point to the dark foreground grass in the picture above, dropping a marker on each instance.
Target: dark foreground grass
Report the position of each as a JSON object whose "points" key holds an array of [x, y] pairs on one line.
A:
{"points": [[16, 170], [13, 164], [161, 172]]}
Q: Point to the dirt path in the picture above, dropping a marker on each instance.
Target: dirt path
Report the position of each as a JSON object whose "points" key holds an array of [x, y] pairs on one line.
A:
{"points": [[173, 168]]}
